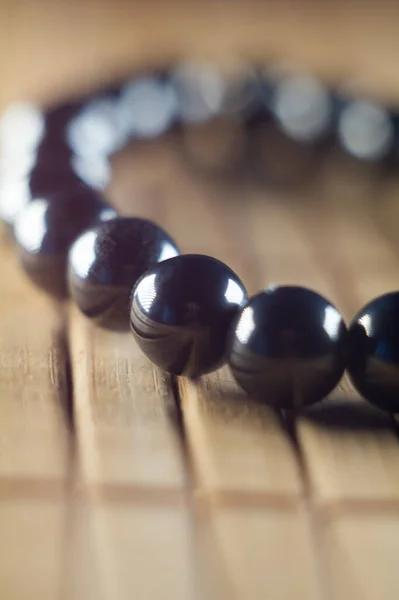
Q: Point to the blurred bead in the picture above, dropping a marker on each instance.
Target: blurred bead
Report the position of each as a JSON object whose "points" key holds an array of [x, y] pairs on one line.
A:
{"points": [[366, 130], [289, 139], [54, 179], [106, 261], [14, 195], [373, 352], [199, 91], [21, 127], [148, 106], [214, 106], [287, 348], [58, 117], [94, 172], [303, 107], [205, 91], [98, 129], [181, 312], [45, 229]]}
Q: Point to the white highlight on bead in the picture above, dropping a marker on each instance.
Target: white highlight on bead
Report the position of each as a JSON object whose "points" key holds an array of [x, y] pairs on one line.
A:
{"points": [[30, 226], [234, 293], [365, 130], [14, 195], [148, 107], [82, 253], [332, 322], [21, 129], [366, 321], [98, 129], [303, 107], [246, 325], [168, 251], [95, 172], [200, 91], [146, 292]]}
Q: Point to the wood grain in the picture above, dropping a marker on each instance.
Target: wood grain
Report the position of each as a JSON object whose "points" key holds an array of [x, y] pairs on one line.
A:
{"points": [[33, 382], [136, 540], [34, 440], [224, 504], [246, 476]]}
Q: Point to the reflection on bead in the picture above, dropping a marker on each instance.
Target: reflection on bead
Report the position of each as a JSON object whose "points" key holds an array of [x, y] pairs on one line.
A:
{"points": [[98, 130], [21, 128], [107, 260], [303, 108], [148, 106], [287, 348], [181, 312], [46, 227], [373, 352], [366, 130]]}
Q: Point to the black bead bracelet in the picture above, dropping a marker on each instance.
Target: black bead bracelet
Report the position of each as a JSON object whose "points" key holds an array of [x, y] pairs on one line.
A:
{"points": [[286, 346]]}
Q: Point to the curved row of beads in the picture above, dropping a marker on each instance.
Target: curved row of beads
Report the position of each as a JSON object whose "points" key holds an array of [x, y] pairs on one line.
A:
{"points": [[287, 346], [190, 313], [286, 122]]}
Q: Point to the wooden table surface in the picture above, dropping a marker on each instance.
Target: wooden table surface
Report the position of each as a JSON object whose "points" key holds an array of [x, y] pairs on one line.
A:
{"points": [[118, 483]]}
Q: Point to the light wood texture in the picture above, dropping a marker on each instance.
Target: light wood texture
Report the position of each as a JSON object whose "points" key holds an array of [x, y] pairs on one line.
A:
{"points": [[32, 548], [34, 448], [33, 383], [360, 551], [102, 41], [238, 448], [123, 549], [247, 552], [347, 438], [223, 505], [124, 412], [136, 539], [246, 476]]}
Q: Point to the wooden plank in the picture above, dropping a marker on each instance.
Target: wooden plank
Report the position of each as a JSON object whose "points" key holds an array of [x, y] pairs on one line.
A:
{"points": [[124, 412], [33, 382], [361, 551], [131, 470], [136, 534], [350, 448], [238, 447], [249, 552], [32, 548], [34, 448], [121, 549], [111, 40], [246, 477]]}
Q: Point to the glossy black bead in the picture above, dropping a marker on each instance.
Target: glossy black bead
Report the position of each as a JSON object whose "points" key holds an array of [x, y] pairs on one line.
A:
{"points": [[106, 261], [287, 347], [181, 312], [57, 118], [45, 229], [373, 352]]}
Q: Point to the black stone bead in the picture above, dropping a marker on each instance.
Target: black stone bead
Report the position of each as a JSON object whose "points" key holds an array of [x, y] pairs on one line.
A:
{"points": [[106, 261], [373, 352], [57, 118], [181, 312], [287, 347], [45, 229], [52, 180]]}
